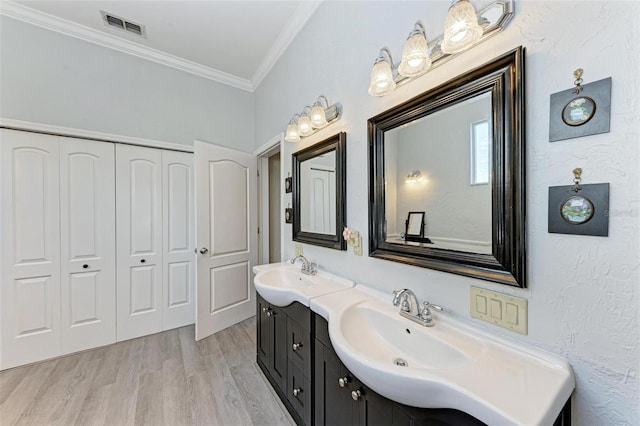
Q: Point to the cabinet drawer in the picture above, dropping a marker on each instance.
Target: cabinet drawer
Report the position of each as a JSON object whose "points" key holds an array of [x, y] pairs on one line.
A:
{"points": [[299, 393], [300, 314], [299, 347]]}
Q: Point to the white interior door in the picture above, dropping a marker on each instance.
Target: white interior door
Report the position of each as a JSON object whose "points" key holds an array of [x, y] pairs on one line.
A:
{"points": [[226, 234], [87, 232], [30, 247], [178, 275], [139, 241]]}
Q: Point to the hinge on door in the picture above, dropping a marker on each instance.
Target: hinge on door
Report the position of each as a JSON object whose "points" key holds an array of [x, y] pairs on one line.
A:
{"points": [[258, 230], [258, 170]]}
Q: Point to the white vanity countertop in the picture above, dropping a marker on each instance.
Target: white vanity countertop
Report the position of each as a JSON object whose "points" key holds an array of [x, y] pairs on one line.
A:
{"points": [[282, 283], [499, 382]]}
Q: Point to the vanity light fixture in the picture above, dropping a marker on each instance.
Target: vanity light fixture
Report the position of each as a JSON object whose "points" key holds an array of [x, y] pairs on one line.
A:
{"points": [[415, 177], [464, 28], [312, 119]]}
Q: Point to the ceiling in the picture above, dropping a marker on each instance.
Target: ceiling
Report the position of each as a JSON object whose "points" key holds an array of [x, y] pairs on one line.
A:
{"points": [[234, 42]]}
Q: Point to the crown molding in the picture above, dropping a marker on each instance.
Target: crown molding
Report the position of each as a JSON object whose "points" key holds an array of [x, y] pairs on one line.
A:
{"points": [[300, 17], [63, 26]]}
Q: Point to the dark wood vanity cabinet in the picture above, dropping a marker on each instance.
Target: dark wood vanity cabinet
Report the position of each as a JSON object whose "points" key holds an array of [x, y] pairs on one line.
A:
{"points": [[296, 356], [284, 354]]}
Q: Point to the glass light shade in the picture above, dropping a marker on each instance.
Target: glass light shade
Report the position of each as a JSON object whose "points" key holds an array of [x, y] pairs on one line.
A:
{"points": [[292, 134], [461, 29], [318, 117], [415, 56], [381, 79], [304, 125]]}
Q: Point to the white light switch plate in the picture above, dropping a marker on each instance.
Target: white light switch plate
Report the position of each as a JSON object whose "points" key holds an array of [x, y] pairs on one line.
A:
{"points": [[505, 311], [298, 249]]}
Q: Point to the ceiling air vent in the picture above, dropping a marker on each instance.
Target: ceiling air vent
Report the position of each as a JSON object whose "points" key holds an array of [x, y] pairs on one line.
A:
{"points": [[114, 21]]}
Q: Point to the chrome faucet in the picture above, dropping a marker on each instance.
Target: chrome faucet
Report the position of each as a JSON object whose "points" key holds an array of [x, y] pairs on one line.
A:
{"points": [[307, 267], [409, 307]]}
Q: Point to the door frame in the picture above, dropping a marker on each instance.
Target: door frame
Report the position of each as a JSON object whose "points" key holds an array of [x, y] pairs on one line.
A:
{"points": [[273, 146]]}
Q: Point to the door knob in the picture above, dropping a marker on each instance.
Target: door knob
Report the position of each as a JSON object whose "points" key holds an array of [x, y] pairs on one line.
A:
{"points": [[297, 391], [356, 394], [297, 346], [204, 250], [85, 266]]}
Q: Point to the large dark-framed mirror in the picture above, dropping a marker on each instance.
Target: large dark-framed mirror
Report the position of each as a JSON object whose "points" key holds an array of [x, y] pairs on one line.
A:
{"points": [[319, 193], [466, 140]]}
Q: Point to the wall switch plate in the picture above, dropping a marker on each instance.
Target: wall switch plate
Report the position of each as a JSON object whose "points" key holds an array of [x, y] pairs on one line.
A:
{"points": [[505, 311], [357, 249], [298, 248]]}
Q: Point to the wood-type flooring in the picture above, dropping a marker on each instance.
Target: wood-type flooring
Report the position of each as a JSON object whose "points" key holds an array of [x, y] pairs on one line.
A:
{"points": [[163, 379]]}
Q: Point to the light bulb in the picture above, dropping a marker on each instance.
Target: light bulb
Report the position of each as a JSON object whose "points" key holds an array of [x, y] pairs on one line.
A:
{"points": [[415, 55], [318, 116], [292, 134], [381, 79], [304, 125], [461, 29]]}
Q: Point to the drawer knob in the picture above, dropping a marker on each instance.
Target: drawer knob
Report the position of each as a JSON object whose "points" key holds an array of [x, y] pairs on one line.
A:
{"points": [[297, 346], [356, 394], [85, 266], [297, 391], [343, 381], [143, 260]]}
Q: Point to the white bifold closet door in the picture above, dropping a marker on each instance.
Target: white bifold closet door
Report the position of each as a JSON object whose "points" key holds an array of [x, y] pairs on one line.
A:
{"points": [[87, 233], [139, 230], [156, 232], [30, 255], [178, 242]]}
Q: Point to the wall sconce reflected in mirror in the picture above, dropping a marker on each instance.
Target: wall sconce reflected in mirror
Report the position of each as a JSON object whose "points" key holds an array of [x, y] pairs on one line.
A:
{"points": [[464, 28], [415, 177], [312, 119]]}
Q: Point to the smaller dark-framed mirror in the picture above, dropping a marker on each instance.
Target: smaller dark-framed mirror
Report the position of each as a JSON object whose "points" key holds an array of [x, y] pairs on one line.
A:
{"points": [[319, 193], [414, 228]]}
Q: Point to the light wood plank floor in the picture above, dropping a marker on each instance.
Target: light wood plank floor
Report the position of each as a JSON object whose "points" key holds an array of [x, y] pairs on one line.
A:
{"points": [[163, 379]]}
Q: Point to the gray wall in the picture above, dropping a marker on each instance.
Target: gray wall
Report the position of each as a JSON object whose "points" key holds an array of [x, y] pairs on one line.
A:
{"points": [[583, 292], [50, 78]]}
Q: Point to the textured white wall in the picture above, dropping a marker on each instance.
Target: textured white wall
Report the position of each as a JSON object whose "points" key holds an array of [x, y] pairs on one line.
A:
{"points": [[50, 78], [583, 291]]}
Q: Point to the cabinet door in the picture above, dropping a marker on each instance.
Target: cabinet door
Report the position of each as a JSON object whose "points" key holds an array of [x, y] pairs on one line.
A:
{"points": [[333, 403], [139, 241], [30, 247], [87, 232], [263, 337], [278, 355], [178, 281]]}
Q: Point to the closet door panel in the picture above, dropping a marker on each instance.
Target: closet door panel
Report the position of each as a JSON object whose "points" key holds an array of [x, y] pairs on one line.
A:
{"points": [[178, 240], [29, 248], [87, 212], [139, 242]]}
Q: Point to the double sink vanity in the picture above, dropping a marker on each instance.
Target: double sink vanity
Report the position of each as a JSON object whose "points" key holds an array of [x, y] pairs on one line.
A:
{"points": [[342, 354]]}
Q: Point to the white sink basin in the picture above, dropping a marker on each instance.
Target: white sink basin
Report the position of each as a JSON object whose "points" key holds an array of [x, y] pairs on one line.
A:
{"points": [[387, 338], [450, 365], [282, 284]]}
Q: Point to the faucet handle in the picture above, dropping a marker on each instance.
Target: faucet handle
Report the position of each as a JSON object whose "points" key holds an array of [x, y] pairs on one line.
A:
{"points": [[313, 268], [432, 306]]}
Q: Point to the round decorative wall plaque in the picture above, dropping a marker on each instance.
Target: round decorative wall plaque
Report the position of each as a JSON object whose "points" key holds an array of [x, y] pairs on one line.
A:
{"points": [[578, 111], [576, 209]]}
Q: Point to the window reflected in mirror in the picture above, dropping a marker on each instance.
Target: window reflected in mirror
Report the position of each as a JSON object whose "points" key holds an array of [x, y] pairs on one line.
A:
{"points": [[456, 200]]}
